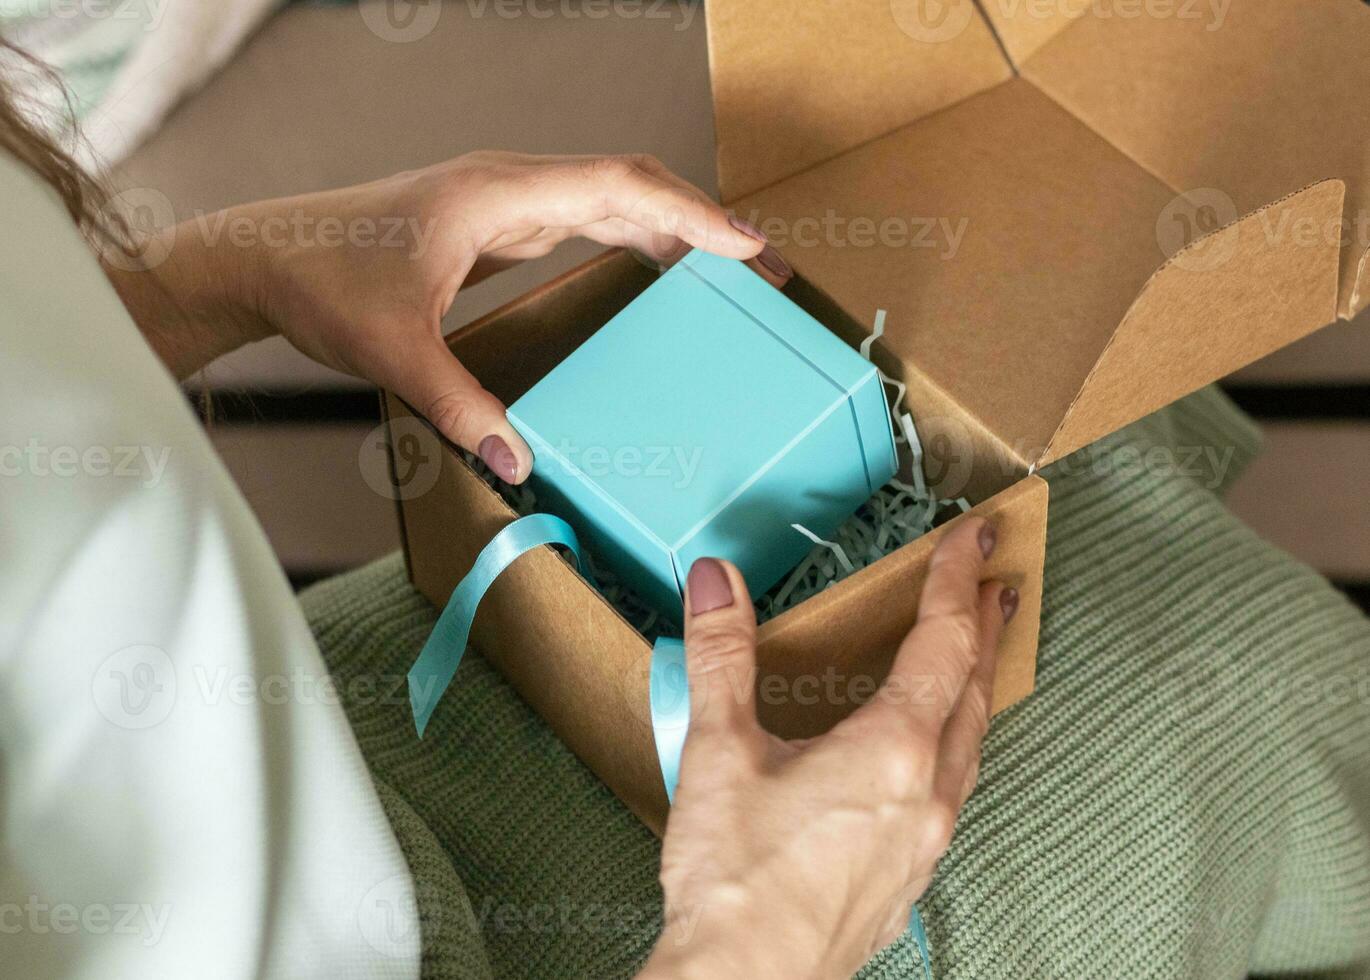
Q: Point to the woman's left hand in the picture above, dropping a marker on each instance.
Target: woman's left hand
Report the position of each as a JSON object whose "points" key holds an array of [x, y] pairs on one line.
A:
{"points": [[360, 278]]}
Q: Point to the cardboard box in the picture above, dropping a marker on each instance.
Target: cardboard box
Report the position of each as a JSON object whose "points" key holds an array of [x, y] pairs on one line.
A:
{"points": [[750, 415], [1148, 202]]}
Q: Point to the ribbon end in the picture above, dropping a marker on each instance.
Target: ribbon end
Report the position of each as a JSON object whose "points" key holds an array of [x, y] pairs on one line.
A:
{"points": [[420, 703]]}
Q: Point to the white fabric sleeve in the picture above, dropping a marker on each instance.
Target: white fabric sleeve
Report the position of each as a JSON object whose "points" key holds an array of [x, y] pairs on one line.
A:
{"points": [[180, 792]]}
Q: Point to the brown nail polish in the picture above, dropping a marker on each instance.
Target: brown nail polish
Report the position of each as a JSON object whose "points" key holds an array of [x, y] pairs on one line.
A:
{"points": [[747, 228], [708, 586], [1008, 602], [988, 539], [497, 455], [771, 259]]}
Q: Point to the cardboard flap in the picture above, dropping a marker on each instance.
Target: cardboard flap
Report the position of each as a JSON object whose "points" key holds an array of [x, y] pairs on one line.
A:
{"points": [[798, 83], [1050, 285], [1025, 27], [1229, 298], [1244, 101], [1004, 238]]}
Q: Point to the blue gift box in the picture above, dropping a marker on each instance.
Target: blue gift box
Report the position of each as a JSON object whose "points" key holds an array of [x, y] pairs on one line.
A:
{"points": [[706, 418]]}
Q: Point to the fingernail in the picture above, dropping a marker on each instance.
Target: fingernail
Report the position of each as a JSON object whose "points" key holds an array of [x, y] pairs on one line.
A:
{"points": [[497, 455], [1008, 602], [988, 539], [771, 259], [708, 586], [747, 228]]}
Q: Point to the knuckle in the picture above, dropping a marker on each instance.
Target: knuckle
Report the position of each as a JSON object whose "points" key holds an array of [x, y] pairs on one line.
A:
{"points": [[609, 169], [717, 645], [959, 634], [902, 769], [646, 161], [977, 718], [454, 413], [960, 558], [939, 823]]}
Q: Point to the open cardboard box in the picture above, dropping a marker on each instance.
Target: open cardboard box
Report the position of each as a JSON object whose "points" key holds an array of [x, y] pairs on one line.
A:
{"points": [[1150, 201]]}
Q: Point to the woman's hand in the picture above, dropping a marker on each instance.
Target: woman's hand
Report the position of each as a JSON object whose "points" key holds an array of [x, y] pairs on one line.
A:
{"points": [[360, 278], [793, 859]]}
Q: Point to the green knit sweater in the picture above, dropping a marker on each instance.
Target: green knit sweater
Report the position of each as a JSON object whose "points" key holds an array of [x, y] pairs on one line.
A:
{"points": [[1187, 794]]}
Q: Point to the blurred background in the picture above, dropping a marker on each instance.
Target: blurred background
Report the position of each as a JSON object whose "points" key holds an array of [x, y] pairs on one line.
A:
{"points": [[255, 100]]}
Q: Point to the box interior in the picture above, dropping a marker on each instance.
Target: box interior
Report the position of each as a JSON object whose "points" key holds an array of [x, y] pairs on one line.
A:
{"points": [[579, 663]]}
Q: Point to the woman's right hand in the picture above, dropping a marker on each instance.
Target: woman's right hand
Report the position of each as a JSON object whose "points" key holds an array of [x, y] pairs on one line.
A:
{"points": [[802, 859]]}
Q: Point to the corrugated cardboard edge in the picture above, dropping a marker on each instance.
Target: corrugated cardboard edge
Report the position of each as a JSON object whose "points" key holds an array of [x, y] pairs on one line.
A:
{"points": [[1279, 290], [384, 398]]}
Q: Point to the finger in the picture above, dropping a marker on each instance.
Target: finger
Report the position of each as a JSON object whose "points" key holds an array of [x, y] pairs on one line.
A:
{"points": [[769, 265], [451, 398], [941, 651], [659, 250], [720, 649], [666, 250], [958, 762], [581, 192]]}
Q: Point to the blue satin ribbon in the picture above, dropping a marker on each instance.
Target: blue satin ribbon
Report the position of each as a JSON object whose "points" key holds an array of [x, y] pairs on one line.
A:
{"points": [[668, 686], [441, 655]]}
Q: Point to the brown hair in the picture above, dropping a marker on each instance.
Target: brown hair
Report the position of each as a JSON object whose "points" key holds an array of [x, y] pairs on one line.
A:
{"points": [[81, 193]]}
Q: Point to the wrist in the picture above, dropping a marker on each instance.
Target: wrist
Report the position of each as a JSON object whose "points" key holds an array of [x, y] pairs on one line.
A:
{"points": [[193, 300]]}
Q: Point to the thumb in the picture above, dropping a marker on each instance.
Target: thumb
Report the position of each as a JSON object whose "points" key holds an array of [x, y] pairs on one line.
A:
{"points": [[720, 649], [451, 398]]}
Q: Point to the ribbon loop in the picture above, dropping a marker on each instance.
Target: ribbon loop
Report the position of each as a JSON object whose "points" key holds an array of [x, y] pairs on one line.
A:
{"points": [[441, 654]]}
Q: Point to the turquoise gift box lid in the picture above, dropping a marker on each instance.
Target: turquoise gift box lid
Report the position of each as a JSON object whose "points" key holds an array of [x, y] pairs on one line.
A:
{"points": [[706, 418]]}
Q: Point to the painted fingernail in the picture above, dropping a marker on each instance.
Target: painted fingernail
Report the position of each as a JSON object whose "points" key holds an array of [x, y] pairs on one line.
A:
{"points": [[747, 228], [497, 455], [708, 586], [1008, 602], [988, 539], [771, 259]]}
